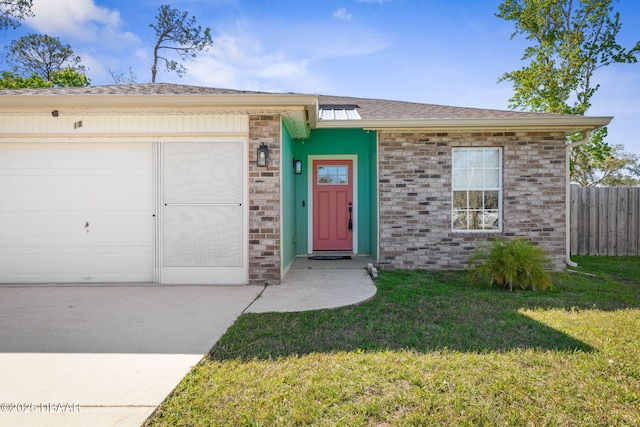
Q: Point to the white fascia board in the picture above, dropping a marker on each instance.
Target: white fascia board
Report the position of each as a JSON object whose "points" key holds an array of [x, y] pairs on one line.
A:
{"points": [[156, 102], [567, 124]]}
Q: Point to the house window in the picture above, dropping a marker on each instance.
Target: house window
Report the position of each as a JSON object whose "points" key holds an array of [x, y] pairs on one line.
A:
{"points": [[333, 175], [477, 189]]}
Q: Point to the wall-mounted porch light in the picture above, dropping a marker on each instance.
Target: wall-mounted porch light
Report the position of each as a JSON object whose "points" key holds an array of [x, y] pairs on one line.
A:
{"points": [[263, 155], [297, 166]]}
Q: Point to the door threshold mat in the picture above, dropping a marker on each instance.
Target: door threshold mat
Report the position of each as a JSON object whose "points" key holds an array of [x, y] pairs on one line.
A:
{"points": [[329, 257]]}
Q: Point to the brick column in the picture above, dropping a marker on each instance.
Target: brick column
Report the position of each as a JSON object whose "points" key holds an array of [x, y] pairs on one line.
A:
{"points": [[264, 201]]}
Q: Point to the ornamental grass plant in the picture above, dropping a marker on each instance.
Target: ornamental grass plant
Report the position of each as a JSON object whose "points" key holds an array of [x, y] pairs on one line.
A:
{"points": [[510, 263]]}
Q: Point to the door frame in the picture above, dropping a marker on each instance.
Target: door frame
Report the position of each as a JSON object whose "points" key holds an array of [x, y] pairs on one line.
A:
{"points": [[354, 173]]}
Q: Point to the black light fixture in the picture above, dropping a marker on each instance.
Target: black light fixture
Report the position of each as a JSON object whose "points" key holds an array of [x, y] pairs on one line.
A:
{"points": [[297, 166], [263, 155], [55, 113]]}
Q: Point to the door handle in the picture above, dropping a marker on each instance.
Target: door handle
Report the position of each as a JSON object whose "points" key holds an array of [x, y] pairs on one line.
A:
{"points": [[350, 216]]}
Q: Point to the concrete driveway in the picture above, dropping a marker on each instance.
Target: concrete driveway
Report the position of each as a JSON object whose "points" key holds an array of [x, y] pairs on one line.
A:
{"points": [[104, 355], [108, 355]]}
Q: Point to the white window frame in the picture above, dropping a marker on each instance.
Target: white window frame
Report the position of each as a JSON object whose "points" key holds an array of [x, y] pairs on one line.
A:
{"points": [[479, 187]]}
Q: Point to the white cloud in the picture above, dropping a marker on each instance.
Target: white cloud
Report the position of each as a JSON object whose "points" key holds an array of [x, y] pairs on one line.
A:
{"points": [[240, 62], [79, 19], [276, 57], [342, 15]]}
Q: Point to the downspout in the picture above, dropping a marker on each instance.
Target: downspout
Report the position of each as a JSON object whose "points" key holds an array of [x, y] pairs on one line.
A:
{"points": [[569, 147]]}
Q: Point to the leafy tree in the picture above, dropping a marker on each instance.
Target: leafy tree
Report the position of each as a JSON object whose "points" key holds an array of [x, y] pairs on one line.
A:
{"points": [[617, 169], [10, 80], [67, 77], [176, 32], [43, 55], [13, 11], [571, 40]]}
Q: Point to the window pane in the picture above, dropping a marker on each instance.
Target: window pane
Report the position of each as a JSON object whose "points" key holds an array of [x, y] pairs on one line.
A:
{"points": [[460, 178], [492, 158], [476, 159], [460, 220], [475, 220], [491, 178], [476, 178], [475, 200], [490, 220], [491, 200], [460, 200], [460, 159]]}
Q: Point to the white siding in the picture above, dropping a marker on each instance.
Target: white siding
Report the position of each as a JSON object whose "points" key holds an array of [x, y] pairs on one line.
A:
{"points": [[123, 124]]}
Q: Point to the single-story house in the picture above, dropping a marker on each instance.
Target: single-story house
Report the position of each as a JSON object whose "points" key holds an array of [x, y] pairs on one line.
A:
{"points": [[170, 183]]}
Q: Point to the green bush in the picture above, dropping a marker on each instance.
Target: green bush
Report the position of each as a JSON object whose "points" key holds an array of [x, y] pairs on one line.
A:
{"points": [[509, 263]]}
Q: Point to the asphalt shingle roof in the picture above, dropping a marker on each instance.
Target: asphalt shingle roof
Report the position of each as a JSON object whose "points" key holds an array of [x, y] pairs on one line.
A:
{"points": [[381, 109], [369, 109]]}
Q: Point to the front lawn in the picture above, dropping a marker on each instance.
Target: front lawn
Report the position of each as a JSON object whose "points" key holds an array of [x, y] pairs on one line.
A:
{"points": [[432, 349]]}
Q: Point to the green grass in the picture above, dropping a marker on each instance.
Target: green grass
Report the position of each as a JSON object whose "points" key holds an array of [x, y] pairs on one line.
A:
{"points": [[432, 349]]}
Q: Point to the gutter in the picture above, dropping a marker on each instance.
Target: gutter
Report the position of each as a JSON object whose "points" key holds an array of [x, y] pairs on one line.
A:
{"points": [[570, 124], [587, 135], [158, 102]]}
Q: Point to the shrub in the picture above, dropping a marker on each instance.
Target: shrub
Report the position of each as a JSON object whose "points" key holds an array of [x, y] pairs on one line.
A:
{"points": [[509, 263]]}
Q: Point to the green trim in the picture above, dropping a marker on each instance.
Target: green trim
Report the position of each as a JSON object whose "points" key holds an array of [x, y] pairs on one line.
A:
{"points": [[288, 220]]}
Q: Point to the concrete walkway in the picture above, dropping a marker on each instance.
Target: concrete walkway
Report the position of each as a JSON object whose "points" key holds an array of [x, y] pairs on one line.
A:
{"points": [[109, 355], [314, 285]]}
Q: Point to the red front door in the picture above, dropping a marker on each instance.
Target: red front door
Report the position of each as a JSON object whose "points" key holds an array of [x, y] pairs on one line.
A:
{"points": [[332, 205]]}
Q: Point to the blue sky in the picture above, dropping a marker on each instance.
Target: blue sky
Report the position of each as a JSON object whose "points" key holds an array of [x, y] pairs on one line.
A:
{"points": [[449, 52]]}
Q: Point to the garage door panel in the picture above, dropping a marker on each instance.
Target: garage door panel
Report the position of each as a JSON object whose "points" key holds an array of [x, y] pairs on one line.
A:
{"points": [[100, 266], [76, 212], [74, 156], [124, 193], [121, 230]]}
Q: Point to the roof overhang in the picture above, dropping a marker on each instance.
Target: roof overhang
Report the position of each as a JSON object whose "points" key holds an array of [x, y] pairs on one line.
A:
{"points": [[568, 124], [293, 108]]}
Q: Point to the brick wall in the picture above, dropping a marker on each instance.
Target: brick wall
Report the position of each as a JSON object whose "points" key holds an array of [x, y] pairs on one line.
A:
{"points": [[415, 196], [264, 202]]}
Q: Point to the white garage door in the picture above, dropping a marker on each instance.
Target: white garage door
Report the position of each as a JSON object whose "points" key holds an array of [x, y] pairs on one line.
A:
{"points": [[76, 212]]}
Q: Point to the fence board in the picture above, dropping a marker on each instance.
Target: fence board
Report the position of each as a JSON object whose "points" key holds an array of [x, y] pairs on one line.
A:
{"points": [[634, 225], [594, 238], [605, 221], [603, 212], [573, 217], [612, 220], [621, 223]]}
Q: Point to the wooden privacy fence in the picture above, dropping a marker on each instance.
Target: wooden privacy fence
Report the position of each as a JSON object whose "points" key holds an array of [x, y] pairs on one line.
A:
{"points": [[605, 221]]}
